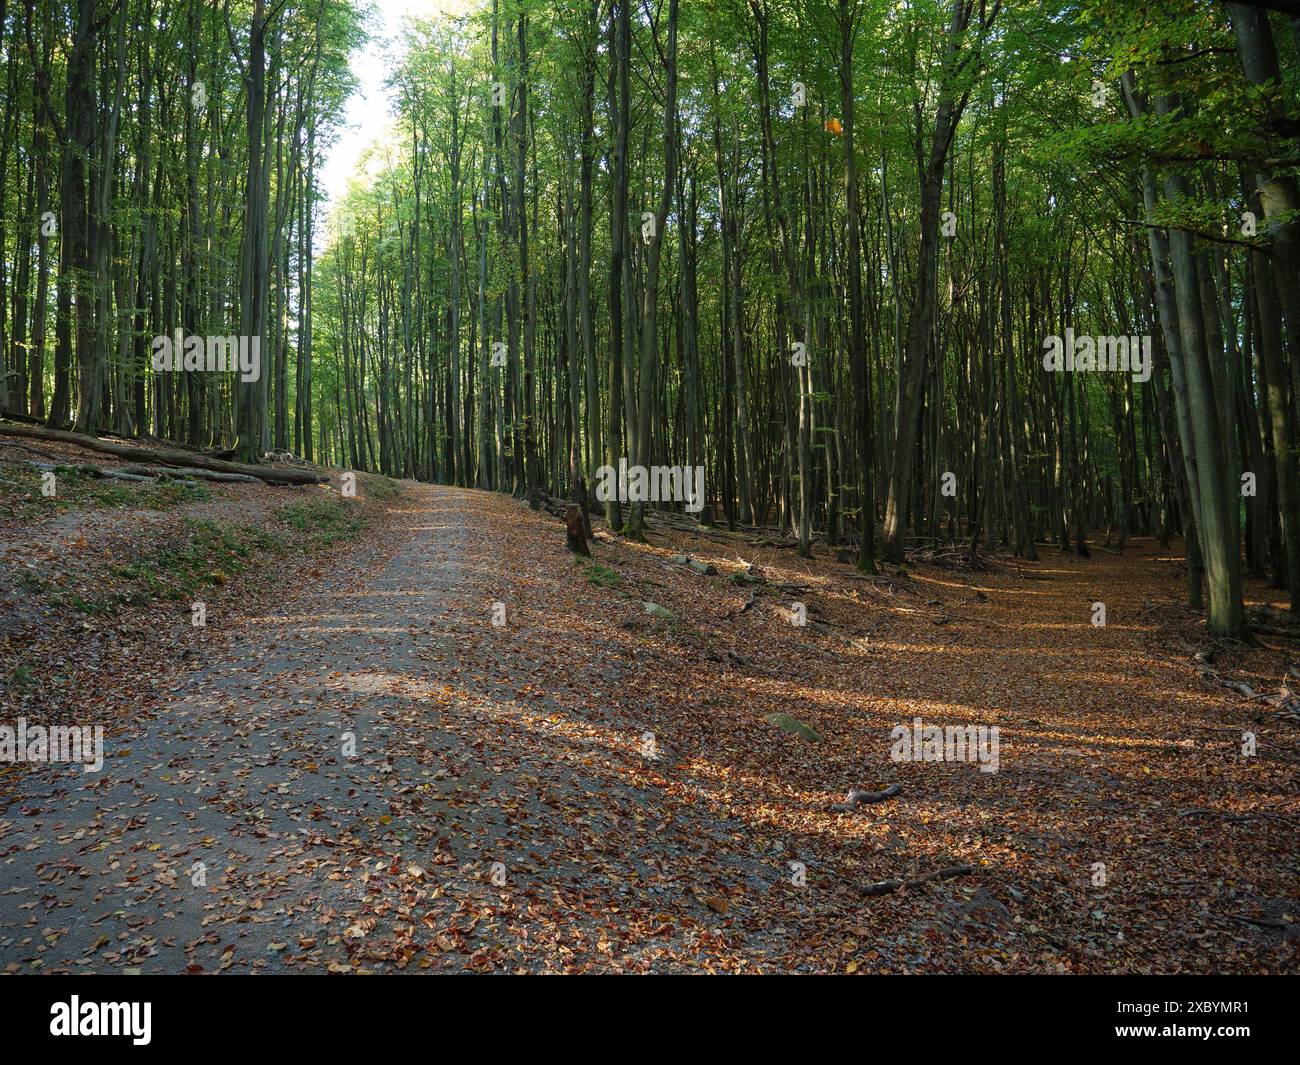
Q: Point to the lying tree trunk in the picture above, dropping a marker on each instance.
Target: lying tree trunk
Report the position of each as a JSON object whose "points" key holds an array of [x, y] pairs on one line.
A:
{"points": [[202, 475], [573, 524], [169, 456], [26, 419], [89, 471], [556, 508]]}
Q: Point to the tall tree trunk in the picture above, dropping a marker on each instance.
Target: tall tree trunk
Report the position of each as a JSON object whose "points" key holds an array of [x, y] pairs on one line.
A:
{"points": [[916, 361], [857, 328]]}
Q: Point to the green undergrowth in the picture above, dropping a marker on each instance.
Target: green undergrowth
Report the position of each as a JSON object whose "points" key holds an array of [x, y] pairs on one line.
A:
{"points": [[21, 486], [601, 576], [207, 554], [377, 486]]}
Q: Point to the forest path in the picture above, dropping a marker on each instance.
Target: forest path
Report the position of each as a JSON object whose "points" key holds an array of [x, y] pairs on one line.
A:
{"points": [[310, 855], [523, 744]]}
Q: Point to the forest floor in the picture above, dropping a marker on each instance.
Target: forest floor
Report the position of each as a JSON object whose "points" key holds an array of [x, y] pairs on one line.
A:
{"points": [[353, 768]]}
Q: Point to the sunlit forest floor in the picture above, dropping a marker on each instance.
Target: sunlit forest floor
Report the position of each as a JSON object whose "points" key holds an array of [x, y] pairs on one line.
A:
{"points": [[373, 775]]}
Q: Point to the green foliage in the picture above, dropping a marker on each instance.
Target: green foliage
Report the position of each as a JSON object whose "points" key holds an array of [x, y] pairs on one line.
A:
{"points": [[377, 486], [74, 490], [602, 576], [322, 521], [208, 555]]}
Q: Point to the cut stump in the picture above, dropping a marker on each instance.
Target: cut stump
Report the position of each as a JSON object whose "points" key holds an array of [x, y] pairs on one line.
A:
{"points": [[575, 532]]}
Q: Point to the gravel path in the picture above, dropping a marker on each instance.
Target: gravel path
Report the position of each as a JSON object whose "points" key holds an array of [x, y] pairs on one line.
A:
{"points": [[318, 796]]}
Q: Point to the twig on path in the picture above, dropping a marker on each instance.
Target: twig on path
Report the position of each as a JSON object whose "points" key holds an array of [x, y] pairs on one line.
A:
{"points": [[753, 598], [1284, 697], [886, 887], [1282, 926], [1238, 686], [1236, 817], [856, 797]]}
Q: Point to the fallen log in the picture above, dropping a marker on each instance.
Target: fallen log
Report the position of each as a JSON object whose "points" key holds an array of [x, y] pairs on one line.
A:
{"points": [[765, 542], [200, 474], [168, 456], [25, 418], [89, 471], [539, 500]]}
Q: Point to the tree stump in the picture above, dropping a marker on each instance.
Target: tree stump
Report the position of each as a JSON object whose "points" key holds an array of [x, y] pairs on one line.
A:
{"points": [[576, 535], [580, 497]]}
